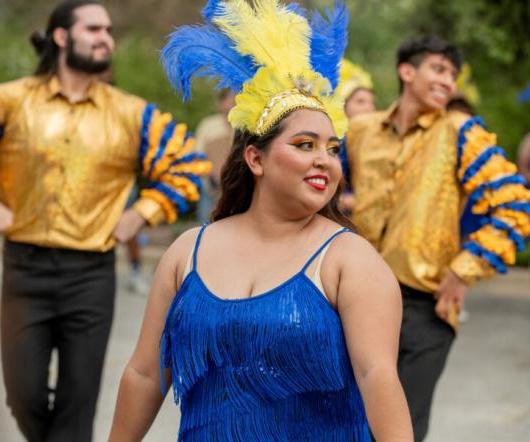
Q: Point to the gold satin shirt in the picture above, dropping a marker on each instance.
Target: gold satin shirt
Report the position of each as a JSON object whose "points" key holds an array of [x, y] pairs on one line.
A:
{"points": [[408, 199], [66, 169]]}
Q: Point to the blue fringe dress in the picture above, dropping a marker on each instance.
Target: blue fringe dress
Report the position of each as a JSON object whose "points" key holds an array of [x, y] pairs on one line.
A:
{"points": [[273, 367]]}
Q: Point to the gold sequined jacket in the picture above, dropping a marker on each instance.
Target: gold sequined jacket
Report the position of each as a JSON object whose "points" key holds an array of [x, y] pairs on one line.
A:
{"points": [[66, 169], [441, 197]]}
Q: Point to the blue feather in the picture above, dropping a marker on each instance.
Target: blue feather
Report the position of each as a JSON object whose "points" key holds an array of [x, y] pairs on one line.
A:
{"points": [[297, 9], [210, 10], [329, 37], [204, 51]]}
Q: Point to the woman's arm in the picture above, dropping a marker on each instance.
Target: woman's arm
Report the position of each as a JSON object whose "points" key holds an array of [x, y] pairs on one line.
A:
{"points": [[369, 305], [139, 395]]}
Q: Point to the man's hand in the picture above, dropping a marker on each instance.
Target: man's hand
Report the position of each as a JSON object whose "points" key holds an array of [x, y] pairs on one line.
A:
{"points": [[128, 225], [6, 218], [450, 296]]}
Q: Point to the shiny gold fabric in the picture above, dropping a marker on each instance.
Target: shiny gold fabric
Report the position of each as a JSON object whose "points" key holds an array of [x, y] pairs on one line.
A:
{"points": [[408, 199], [66, 169]]}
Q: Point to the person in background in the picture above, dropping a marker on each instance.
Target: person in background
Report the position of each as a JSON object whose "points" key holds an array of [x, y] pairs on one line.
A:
{"points": [[356, 88], [214, 137], [414, 166], [69, 152]]}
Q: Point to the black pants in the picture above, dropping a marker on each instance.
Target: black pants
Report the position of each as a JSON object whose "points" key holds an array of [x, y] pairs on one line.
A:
{"points": [[425, 342], [63, 299]]}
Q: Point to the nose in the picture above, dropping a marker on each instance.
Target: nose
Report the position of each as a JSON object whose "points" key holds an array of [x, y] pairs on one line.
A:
{"points": [[321, 158], [107, 38]]}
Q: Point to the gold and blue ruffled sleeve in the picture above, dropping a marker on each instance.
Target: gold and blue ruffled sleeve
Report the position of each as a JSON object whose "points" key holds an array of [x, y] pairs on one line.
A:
{"points": [[498, 206], [170, 165]]}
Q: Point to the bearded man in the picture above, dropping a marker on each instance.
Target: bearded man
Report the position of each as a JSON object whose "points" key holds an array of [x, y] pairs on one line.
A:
{"points": [[70, 147]]}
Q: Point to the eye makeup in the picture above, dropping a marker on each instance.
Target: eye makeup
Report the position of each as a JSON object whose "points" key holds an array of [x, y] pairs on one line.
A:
{"points": [[308, 142]]}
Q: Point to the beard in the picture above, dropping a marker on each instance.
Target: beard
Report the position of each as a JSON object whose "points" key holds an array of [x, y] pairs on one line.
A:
{"points": [[83, 63]]}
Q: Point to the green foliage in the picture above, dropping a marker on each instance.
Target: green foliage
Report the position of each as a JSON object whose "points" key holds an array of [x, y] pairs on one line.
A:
{"points": [[137, 70], [494, 35]]}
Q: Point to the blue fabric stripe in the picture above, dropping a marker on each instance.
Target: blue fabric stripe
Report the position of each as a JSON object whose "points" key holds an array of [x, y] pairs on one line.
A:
{"points": [[322, 247], [514, 236], [469, 221], [520, 206], [177, 199], [343, 157], [189, 158], [496, 262], [462, 136], [195, 179], [196, 247], [480, 161], [494, 185], [168, 133], [144, 131]]}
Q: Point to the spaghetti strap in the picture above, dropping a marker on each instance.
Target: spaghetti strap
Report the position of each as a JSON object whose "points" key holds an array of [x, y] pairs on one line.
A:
{"points": [[322, 247], [196, 247]]}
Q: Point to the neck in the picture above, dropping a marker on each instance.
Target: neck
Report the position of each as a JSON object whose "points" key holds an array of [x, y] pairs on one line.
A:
{"points": [[407, 113], [74, 84], [270, 221]]}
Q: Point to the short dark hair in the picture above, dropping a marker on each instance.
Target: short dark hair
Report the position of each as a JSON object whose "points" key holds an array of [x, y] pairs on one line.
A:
{"points": [[61, 17], [415, 49]]}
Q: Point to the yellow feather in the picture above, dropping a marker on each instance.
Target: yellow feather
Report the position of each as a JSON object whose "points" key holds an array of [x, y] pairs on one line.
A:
{"points": [[273, 35]]}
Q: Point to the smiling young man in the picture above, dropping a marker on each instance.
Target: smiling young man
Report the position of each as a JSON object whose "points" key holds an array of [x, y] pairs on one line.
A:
{"points": [[414, 168], [70, 147]]}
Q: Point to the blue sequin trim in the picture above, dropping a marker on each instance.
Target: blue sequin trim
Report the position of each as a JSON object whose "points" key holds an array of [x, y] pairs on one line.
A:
{"points": [[494, 185], [195, 179], [177, 199], [514, 236], [462, 135], [496, 262], [189, 158], [144, 131], [168, 133], [517, 205], [480, 161]]}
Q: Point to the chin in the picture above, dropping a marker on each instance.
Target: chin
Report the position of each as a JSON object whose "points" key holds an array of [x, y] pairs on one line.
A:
{"points": [[315, 206], [433, 106]]}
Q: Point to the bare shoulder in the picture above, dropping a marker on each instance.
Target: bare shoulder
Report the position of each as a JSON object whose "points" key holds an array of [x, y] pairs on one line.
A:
{"points": [[175, 258], [360, 266]]}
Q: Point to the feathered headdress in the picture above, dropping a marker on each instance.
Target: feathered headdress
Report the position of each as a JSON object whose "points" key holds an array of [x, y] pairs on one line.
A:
{"points": [[274, 57], [352, 76]]}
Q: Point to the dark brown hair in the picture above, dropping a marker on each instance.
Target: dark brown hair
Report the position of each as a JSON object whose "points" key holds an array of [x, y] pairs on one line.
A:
{"points": [[415, 49], [237, 180], [61, 17]]}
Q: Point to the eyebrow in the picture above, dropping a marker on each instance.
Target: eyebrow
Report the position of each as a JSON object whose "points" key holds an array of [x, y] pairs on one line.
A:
{"points": [[314, 135]]}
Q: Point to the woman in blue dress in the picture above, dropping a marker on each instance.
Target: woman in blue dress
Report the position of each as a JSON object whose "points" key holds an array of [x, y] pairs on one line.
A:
{"points": [[274, 322]]}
